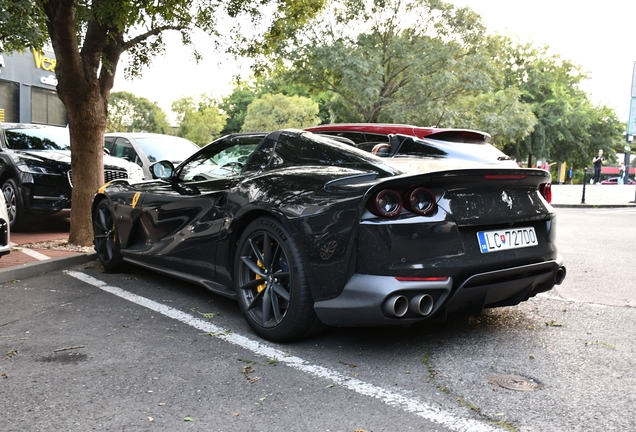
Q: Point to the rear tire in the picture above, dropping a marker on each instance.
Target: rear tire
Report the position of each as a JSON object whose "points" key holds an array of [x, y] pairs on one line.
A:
{"points": [[105, 237], [271, 285]]}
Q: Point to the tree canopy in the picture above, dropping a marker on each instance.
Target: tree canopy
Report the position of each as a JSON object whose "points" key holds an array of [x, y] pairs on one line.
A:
{"points": [[569, 127], [405, 60], [88, 39], [428, 63], [200, 120], [130, 113], [271, 112]]}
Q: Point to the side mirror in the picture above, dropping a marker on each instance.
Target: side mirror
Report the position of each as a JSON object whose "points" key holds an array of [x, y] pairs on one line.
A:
{"points": [[162, 170]]}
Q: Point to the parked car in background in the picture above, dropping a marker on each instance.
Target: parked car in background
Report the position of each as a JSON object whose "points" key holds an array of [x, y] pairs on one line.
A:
{"points": [[406, 141], [5, 231], [147, 148], [35, 171], [305, 231], [614, 181]]}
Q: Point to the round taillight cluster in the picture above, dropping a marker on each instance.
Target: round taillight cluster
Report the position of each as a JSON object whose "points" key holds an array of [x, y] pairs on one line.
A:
{"points": [[389, 203], [420, 201]]}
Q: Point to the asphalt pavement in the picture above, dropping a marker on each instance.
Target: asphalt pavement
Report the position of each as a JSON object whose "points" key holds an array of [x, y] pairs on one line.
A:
{"points": [[24, 262], [119, 365]]}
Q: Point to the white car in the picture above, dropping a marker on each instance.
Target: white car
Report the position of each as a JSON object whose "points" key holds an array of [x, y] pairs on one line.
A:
{"points": [[5, 241], [145, 149]]}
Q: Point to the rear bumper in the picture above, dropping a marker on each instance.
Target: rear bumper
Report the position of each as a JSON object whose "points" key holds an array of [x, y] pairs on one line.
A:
{"points": [[370, 300]]}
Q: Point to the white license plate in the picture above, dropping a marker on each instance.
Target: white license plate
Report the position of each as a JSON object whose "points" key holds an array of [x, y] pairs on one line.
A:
{"points": [[505, 239]]}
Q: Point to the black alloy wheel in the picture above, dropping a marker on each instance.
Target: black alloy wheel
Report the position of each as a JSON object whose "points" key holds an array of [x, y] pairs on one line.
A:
{"points": [[105, 237], [271, 285]]}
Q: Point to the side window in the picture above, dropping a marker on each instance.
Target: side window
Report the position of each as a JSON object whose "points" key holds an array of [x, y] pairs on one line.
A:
{"points": [[376, 137], [413, 147], [124, 149], [356, 137], [225, 160], [108, 144]]}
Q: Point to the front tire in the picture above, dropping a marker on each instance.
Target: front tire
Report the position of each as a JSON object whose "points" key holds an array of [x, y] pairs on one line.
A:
{"points": [[271, 284], [17, 217], [105, 237]]}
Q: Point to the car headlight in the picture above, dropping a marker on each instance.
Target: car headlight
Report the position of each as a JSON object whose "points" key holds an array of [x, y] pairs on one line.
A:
{"points": [[36, 169]]}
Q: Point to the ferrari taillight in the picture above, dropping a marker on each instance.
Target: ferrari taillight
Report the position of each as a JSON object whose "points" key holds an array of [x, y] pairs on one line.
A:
{"points": [[386, 203], [389, 203], [420, 201], [545, 189]]}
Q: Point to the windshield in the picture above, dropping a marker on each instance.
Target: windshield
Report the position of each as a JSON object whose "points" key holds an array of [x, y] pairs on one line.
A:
{"points": [[38, 139], [174, 149]]}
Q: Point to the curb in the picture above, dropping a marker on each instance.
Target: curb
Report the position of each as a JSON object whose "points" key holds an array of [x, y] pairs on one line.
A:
{"points": [[29, 270], [626, 205]]}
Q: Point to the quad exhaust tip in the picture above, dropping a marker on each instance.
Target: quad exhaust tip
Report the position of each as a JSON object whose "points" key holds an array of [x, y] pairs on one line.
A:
{"points": [[560, 276], [398, 305], [422, 304]]}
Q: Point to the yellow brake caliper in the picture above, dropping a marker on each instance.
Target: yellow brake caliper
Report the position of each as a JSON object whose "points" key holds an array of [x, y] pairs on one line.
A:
{"points": [[261, 287]]}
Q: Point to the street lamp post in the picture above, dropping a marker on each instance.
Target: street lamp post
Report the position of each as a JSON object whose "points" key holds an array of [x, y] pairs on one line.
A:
{"points": [[584, 183]]}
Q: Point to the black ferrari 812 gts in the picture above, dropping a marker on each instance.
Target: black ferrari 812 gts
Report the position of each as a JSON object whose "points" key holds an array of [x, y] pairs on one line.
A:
{"points": [[306, 232]]}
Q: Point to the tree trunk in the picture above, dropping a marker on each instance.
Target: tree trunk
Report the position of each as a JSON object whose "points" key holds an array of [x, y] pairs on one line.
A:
{"points": [[84, 84], [87, 123]]}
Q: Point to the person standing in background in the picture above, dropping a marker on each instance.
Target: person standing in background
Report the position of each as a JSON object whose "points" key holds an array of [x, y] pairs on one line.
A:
{"points": [[546, 166], [621, 173], [598, 164], [568, 176]]}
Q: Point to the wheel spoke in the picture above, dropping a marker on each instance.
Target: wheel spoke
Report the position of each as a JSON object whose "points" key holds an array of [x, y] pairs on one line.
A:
{"points": [[252, 266], [255, 249], [257, 298], [101, 246], [109, 248], [251, 285], [275, 307], [281, 291], [102, 218], [267, 252], [267, 305], [281, 274]]}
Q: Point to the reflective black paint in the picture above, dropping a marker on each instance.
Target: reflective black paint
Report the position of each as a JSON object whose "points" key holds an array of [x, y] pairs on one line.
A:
{"points": [[190, 229]]}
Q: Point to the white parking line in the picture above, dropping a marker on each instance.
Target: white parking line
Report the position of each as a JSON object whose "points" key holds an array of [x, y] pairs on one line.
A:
{"points": [[389, 397], [34, 254]]}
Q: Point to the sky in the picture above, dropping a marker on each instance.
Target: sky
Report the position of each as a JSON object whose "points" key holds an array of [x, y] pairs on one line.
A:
{"points": [[598, 36]]}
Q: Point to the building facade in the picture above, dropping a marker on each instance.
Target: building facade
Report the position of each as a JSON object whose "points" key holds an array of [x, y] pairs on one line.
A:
{"points": [[28, 89]]}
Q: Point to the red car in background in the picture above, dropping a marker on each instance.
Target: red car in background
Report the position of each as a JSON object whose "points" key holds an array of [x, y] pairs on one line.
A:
{"points": [[407, 141], [614, 181]]}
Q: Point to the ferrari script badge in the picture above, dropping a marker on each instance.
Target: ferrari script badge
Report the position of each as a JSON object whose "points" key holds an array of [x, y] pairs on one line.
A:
{"points": [[507, 199]]}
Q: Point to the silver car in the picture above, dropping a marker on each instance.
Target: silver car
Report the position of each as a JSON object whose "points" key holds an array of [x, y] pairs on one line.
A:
{"points": [[145, 149]]}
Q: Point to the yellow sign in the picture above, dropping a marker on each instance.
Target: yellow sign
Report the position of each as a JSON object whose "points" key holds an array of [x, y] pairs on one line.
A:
{"points": [[42, 62], [1, 114]]}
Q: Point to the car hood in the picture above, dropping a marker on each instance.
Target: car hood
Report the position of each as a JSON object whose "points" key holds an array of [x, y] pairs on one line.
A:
{"points": [[63, 158]]}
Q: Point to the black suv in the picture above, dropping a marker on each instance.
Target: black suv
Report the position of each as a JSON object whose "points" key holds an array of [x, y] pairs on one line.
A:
{"points": [[35, 171]]}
